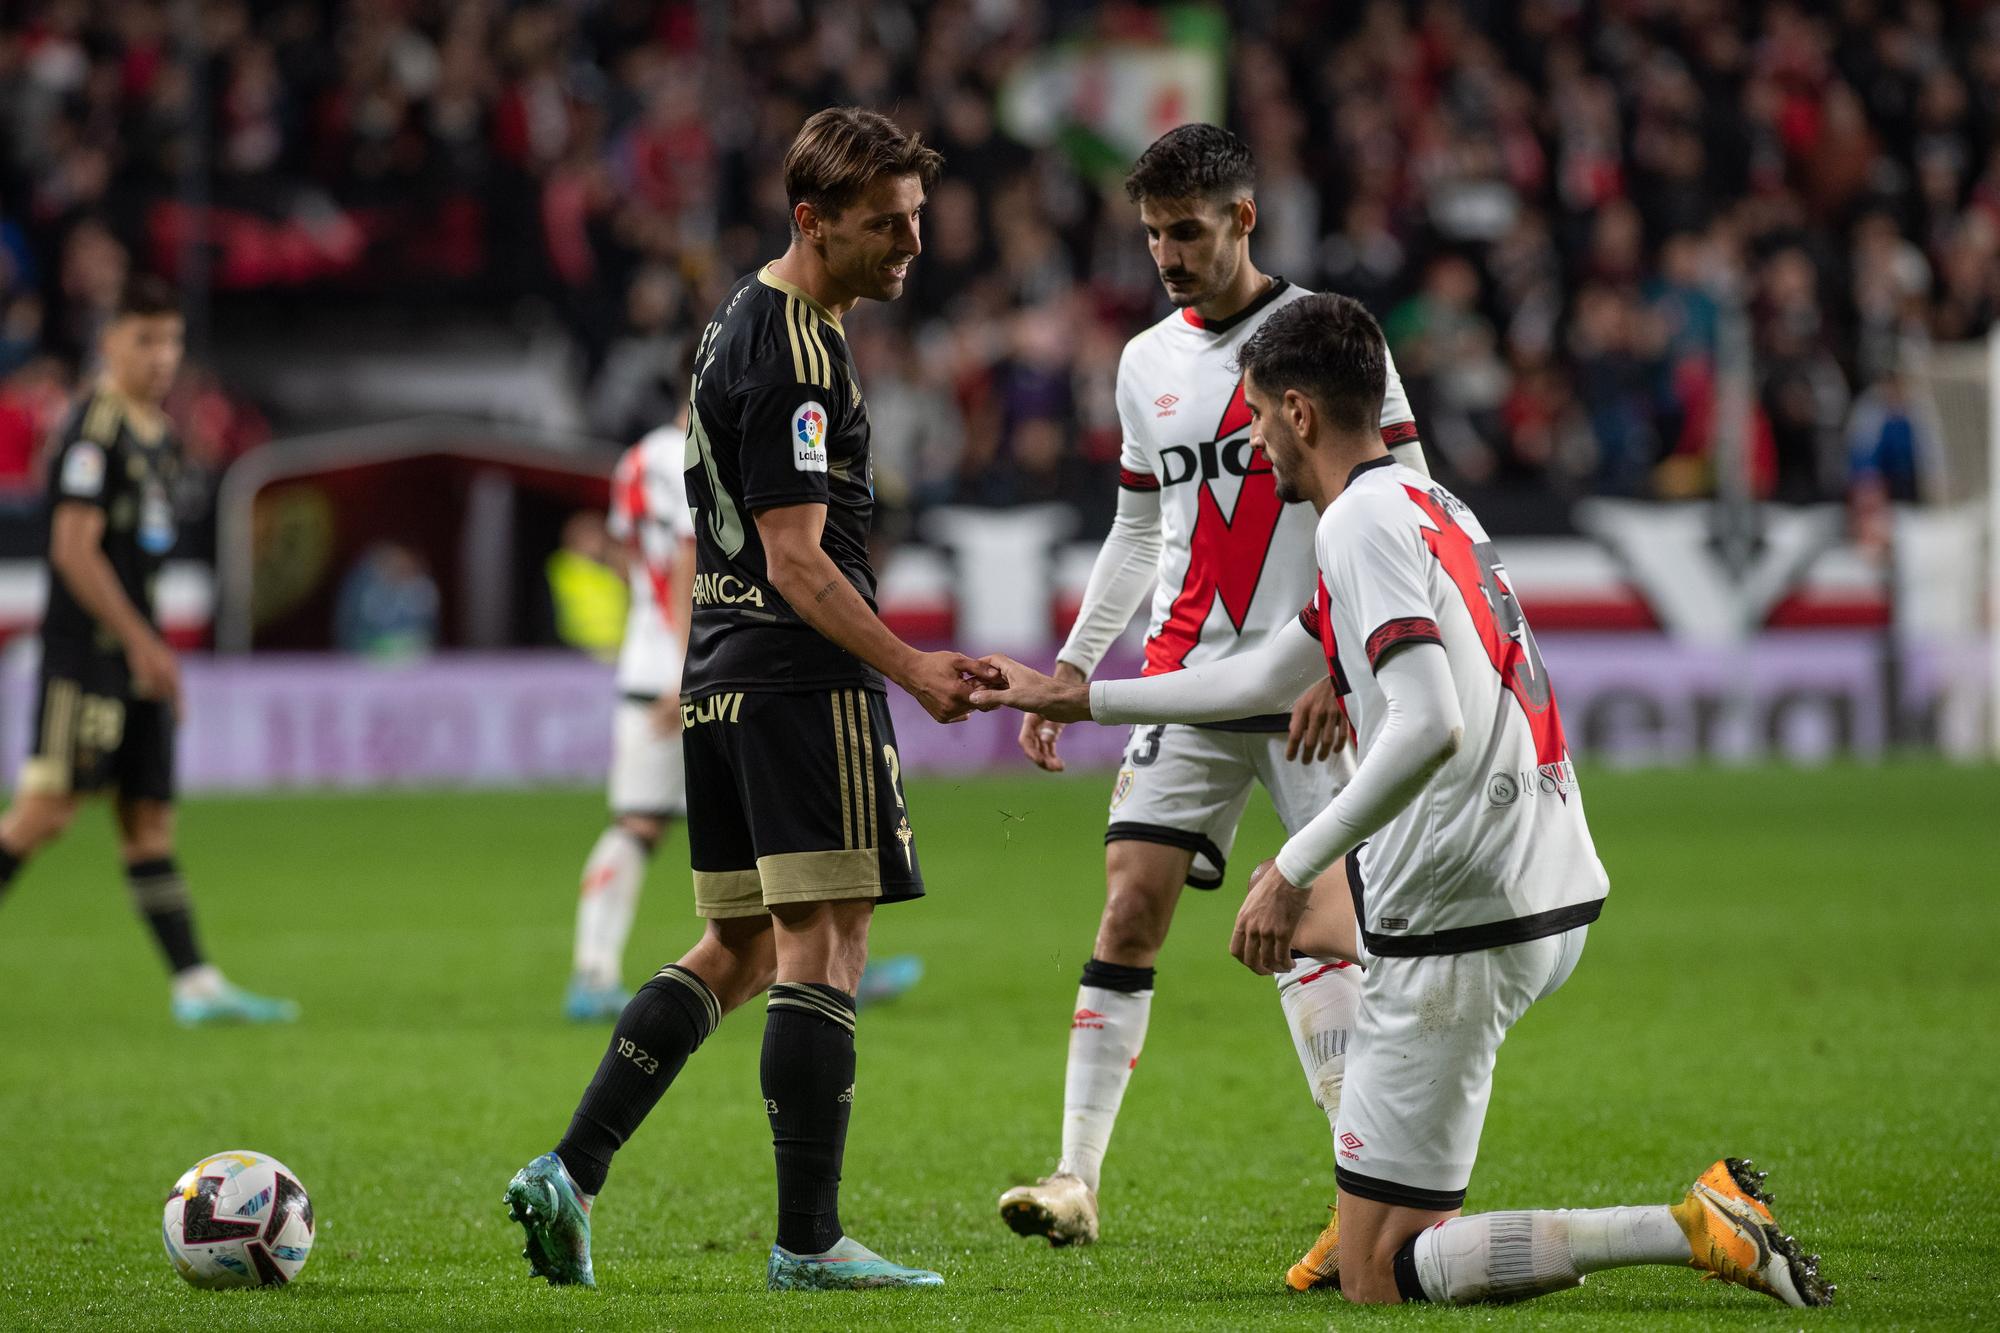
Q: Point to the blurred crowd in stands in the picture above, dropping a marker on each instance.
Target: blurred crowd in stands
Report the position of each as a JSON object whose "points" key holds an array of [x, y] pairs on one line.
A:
{"points": [[1575, 220]]}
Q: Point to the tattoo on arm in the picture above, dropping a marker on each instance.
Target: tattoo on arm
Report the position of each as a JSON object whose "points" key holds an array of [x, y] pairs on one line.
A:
{"points": [[826, 592]]}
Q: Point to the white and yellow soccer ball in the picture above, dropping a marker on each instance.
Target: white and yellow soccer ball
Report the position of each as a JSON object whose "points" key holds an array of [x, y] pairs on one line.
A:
{"points": [[238, 1219]]}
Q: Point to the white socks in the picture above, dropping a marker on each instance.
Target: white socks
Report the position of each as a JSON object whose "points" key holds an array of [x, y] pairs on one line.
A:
{"points": [[608, 902], [1320, 1000], [1109, 1029], [1515, 1255], [1105, 1037], [202, 982]]}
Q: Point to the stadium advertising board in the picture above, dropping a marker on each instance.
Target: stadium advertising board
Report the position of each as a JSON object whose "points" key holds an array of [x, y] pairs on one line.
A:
{"points": [[276, 722]]}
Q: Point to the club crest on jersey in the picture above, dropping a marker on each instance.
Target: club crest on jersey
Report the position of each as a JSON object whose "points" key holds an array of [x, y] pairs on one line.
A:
{"points": [[83, 469], [809, 438], [1123, 787]]}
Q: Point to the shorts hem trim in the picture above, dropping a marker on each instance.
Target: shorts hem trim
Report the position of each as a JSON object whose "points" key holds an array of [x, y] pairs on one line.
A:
{"points": [[1398, 1195], [1487, 935], [1165, 836]]}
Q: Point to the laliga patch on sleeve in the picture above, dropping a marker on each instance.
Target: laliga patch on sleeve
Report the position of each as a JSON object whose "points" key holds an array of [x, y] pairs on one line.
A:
{"points": [[809, 438], [83, 469]]}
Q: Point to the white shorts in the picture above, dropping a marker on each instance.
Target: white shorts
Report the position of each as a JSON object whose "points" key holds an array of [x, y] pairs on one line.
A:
{"points": [[646, 773], [1420, 1064], [1185, 786]]}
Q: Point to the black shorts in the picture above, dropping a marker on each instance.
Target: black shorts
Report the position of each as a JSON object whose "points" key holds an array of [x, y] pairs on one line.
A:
{"points": [[795, 798], [90, 736]]}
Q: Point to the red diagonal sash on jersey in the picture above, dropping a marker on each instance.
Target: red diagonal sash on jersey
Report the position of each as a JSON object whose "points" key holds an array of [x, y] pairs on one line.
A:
{"points": [[1225, 554], [629, 486], [1513, 654], [1319, 621]]}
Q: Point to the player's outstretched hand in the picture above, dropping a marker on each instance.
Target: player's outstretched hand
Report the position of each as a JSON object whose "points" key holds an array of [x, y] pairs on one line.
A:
{"points": [[1029, 690], [1039, 734], [1267, 921], [943, 683], [1319, 727]]}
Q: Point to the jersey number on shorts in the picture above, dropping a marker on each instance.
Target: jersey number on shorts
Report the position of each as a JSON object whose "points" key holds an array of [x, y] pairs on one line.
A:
{"points": [[1146, 746]]}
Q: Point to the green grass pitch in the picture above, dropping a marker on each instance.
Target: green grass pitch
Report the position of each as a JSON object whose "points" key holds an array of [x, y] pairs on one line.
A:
{"points": [[1794, 966]]}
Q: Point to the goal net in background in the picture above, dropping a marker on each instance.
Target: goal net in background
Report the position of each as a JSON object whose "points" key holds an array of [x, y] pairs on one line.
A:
{"points": [[1958, 390]]}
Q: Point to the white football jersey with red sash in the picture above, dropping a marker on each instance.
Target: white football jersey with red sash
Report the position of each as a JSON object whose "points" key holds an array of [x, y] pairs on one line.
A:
{"points": [[1235, 561], [649, 508], [1495, 849]]}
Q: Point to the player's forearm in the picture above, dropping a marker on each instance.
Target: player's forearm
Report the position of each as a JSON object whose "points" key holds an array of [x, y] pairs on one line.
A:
{"points": [[813, 586], [1421, 730], [1268, 680], [94, 583], [1123, 573], [1410, 454], [680, 592]]}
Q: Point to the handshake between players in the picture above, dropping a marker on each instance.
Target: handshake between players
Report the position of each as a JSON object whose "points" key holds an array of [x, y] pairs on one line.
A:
{"points": [[1267, 925]]}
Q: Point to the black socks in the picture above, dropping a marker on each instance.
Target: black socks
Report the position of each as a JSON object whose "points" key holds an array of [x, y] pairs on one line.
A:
{"points": [[1117, 976], [662, 1025], [808, 1076], [161, 896]]}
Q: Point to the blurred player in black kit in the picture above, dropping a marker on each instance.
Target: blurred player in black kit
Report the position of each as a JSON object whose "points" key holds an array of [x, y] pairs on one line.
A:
{"points": [[110, 687]]}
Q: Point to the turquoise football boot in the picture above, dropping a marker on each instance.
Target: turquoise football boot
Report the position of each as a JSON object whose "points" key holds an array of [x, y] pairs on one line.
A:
{"points": [[232, 1004], [544, 1200], [848, 1266], [888, 979], [585, 1003]]}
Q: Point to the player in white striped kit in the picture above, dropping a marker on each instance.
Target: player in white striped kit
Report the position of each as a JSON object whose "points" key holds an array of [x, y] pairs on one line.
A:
{"points": [[1456, 863], [1230, 564], [649, 515]]}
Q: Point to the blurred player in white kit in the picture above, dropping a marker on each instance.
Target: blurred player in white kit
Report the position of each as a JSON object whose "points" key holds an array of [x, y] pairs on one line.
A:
{"points": [[648, 791]]}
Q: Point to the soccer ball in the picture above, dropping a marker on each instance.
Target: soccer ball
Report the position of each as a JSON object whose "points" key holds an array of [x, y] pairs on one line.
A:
{"points": [[238, 1219]]}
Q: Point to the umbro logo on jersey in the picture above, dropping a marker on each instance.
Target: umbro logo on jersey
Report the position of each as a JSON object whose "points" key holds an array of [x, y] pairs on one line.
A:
{"points": [[1165, 402]]}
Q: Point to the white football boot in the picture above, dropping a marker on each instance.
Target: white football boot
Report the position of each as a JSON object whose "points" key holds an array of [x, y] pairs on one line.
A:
{"points": [[1059, 1207]]}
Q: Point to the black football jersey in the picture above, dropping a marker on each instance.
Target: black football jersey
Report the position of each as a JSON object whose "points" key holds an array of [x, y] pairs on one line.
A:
{"points": [[777, 420], [126, 465]]}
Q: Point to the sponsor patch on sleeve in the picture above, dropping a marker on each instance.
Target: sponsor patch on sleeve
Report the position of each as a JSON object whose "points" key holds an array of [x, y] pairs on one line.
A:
{"points": [[83, 470], [809, 437]]}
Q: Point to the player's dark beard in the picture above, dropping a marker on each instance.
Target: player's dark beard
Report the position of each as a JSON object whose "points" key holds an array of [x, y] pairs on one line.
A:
{"points": [[1283, 483]]}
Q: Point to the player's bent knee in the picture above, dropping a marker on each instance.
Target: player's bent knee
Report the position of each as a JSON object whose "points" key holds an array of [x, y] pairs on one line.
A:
{"points": [[1138, 908], [647, 829], [35, 821], [1132, 938], [1369, 1278]]}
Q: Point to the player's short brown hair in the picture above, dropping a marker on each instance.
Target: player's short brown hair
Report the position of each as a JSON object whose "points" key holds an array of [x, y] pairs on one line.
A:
{"points": [[146, 296], [1327, 347], [842, 150]]}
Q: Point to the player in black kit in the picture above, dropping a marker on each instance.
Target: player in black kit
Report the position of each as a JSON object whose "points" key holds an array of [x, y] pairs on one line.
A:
{"points": [[797, 824], [110, 686]]}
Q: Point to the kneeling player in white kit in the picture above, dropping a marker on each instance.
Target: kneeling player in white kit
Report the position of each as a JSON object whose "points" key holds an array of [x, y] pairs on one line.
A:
{"points": [[648, 788], [1458, 853], [1200, 523]]}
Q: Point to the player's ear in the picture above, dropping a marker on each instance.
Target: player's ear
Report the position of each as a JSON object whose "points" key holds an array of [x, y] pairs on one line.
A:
{"points": [[1299, 415], [805, 219], [1246, 215]]}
